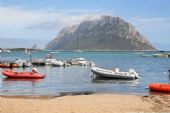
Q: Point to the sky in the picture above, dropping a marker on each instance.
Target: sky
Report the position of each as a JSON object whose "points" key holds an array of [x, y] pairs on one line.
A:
{"points": [[43, 19]]}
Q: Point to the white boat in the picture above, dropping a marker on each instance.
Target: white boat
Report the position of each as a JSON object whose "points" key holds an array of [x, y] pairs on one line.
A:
{"points": [[38, 62], [81, 61], [21, 62], [54, 52], [80, 51], [78, 61], [145, 55], [160, 55], [116, 73], [57, 63], [6, 51], [49, 61]]}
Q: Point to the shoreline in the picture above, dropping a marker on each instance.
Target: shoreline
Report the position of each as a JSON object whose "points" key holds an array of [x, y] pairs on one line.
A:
{"points": [[68, 94], [63, 94], [92, 103], [30, 49]]}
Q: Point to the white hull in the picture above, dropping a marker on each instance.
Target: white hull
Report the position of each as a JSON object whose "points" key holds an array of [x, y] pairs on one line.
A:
{"points": [[160, 55], [57, 63], [117, 75]]}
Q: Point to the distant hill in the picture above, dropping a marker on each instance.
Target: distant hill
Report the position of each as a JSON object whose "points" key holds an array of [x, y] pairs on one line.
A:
{"points": [[104, 33]]}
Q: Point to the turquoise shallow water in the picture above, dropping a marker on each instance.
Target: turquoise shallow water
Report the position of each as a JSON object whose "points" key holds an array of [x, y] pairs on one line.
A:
{"points": [[79, 79]]}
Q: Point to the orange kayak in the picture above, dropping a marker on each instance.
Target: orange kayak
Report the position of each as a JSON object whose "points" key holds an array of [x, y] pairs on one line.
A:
{"points": [[11, 74], [159, 87]]}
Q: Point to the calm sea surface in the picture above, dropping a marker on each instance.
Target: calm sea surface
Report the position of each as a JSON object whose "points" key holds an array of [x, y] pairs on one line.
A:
{"points": [[79, 79]]}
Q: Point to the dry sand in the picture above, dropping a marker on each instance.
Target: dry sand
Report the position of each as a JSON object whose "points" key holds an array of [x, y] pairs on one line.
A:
{"points": [[95, 103]]}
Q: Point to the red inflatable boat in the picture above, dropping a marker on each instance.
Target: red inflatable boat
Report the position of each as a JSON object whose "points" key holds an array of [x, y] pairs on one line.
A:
{"points": [[33, 74], [160, 87], [8, 65]]}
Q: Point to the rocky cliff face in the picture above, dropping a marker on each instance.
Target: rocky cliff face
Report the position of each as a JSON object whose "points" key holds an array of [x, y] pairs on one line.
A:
{"points": [[104, 33]]}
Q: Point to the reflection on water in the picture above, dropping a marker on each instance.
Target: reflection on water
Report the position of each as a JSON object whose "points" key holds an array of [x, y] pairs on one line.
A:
{"points": [[158, 93], [11, 80], [115, 81]]}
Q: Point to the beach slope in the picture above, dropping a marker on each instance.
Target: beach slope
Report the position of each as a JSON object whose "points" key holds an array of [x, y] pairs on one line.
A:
{"points": [[95, 103]]}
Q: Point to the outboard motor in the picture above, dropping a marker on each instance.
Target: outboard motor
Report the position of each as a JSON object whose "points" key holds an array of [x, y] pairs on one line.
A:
{"points": [[92, 64], [117, 70], [35, 70], [132, 71]]}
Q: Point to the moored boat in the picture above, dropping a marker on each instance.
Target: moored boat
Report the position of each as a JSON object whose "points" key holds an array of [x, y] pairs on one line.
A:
{"points": [[160, 87], [78, 61], [57, 63], [33, 74], [8, 65], [38, 62], [116, 73], [145, 55], [160, 55]]}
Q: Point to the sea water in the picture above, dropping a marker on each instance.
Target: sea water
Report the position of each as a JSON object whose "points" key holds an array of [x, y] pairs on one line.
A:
{"points": [[75, 79]]}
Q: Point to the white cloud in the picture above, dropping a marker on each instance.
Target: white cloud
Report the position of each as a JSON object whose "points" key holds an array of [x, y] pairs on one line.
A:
{"points": [[20, 18], [15, 17], [19, 23]]}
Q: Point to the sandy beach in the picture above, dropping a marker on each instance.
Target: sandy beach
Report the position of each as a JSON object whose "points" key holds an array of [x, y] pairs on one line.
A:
{"points": [[95, 103]]}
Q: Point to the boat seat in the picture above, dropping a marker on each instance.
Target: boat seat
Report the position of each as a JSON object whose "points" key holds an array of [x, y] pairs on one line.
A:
{"points": [[117, 70], [113, 69]]}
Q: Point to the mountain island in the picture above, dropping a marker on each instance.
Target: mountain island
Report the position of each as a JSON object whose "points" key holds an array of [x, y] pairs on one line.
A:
{"points": [[105, 33]]}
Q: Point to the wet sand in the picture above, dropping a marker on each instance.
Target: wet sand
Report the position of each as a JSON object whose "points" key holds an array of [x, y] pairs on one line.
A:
{"points": [[94, 103]]}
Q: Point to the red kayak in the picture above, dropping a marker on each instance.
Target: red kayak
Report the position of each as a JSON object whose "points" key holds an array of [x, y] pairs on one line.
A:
{"points": [[11, 74], [160, 87]]}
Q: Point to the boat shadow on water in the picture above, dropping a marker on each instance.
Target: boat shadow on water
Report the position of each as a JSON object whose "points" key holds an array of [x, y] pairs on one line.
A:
{"points": [[158, 93]]}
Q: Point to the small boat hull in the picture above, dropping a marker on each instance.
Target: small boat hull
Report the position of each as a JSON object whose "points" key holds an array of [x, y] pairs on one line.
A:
{"points": [[38, 62], [58, 63], [160, 55], [160, 87], [11, 74], [110, 74], [8, 65]]}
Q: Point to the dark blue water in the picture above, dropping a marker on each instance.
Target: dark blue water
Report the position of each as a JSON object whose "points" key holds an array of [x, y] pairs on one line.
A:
{"points": [[79, 79]]}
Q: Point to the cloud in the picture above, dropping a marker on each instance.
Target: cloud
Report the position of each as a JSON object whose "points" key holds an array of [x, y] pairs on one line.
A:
{"points": [[61, 21], [16, 17], [63, 18], [19, 18]]}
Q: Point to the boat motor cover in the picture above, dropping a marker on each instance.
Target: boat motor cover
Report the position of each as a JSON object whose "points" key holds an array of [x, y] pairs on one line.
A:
{"points": [[35, 70]]}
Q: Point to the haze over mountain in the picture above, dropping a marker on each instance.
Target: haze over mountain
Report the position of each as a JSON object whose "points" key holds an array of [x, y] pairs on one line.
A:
{"points": [[21, 43], [103, 33]]}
